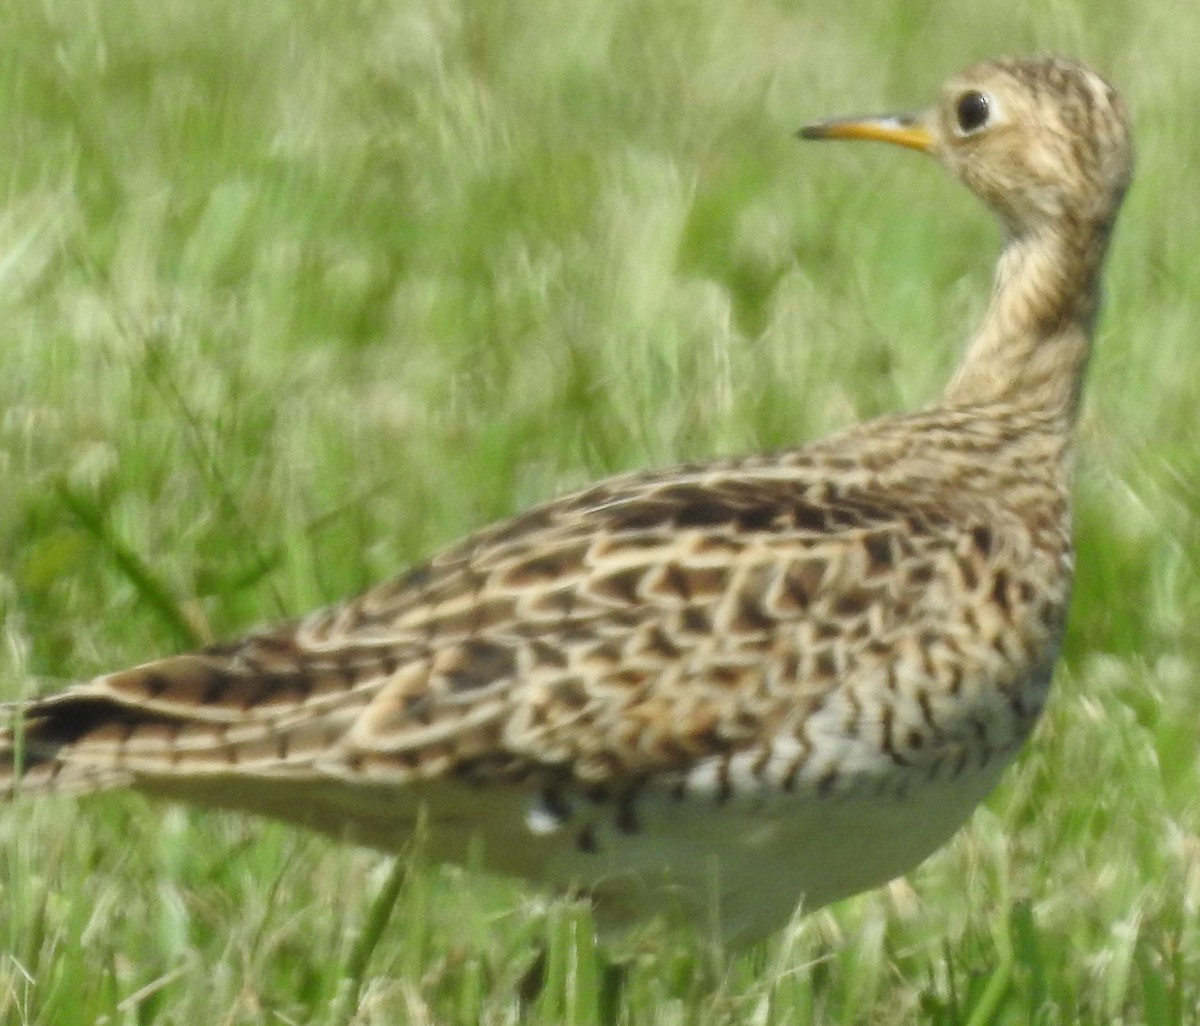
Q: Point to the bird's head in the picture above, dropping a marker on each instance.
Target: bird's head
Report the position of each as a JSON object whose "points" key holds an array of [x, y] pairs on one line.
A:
{"points": [[1040, 140]]}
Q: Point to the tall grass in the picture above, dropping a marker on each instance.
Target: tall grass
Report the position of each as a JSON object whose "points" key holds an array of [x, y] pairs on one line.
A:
{"points": [[293, 294]]}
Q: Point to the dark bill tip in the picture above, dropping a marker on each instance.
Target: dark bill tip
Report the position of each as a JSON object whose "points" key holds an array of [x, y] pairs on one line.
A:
{"points": [[899, 129]]}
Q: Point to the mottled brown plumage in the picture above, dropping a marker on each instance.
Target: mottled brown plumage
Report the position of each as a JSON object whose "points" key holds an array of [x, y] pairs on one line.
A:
{"points": [[762, 681]]}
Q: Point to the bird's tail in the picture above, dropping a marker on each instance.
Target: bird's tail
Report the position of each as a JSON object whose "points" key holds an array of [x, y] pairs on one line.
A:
{"points": [[186, 716], [250, 727]]}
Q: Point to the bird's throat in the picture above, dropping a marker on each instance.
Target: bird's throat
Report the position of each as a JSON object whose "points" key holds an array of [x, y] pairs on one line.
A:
{"points": [[1033, 346]]}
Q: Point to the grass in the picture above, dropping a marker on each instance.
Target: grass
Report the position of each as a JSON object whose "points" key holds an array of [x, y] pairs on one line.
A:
{"points": [[293, 294]]}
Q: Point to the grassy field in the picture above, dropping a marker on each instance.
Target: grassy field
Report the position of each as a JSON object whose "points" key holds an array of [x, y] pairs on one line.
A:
{"points": [[294, 293]]}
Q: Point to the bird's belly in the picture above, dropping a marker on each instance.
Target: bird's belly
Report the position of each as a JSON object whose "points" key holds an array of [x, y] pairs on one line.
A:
{"points": [[744, 866], [739, 864]]}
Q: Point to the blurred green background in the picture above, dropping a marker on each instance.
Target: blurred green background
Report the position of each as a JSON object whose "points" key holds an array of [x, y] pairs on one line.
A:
{"points": [[291, 294]]}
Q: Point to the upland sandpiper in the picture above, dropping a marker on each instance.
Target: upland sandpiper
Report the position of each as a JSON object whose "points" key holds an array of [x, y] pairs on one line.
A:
{"points": [[718, 690]]}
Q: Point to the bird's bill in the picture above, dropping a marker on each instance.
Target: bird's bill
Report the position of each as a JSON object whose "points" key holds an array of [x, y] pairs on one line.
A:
{"points": [[900, 129]]}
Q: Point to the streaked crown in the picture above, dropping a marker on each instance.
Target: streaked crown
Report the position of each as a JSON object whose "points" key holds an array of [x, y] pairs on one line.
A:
{"points": [[1040, 140]]}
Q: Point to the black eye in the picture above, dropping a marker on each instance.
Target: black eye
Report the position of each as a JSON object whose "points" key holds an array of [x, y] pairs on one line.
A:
{"points": [[972, 111]]}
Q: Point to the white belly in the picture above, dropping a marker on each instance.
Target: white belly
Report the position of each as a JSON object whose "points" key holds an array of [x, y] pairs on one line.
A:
{"points": [[746, 865], [740, 864]]}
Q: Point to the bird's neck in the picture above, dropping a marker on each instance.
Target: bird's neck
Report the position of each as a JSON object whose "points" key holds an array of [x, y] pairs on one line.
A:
{"points": [[1033, 347]]}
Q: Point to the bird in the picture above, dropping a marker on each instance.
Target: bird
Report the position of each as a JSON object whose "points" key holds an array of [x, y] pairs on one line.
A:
{"points": [[717, 692]]}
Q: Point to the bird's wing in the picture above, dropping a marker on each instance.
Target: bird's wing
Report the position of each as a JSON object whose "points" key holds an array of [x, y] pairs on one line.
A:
{"points": [[646, 623]]}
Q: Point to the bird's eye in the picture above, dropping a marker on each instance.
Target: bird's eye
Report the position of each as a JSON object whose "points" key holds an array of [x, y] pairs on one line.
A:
{"points": [[972, 111]]}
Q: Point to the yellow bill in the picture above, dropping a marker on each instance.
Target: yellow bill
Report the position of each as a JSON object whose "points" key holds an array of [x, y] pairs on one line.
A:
{"points": [[900, 129]]}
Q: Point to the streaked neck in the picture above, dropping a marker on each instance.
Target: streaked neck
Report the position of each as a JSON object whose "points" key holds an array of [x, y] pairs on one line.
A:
{"points": [[1033, 347]]}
